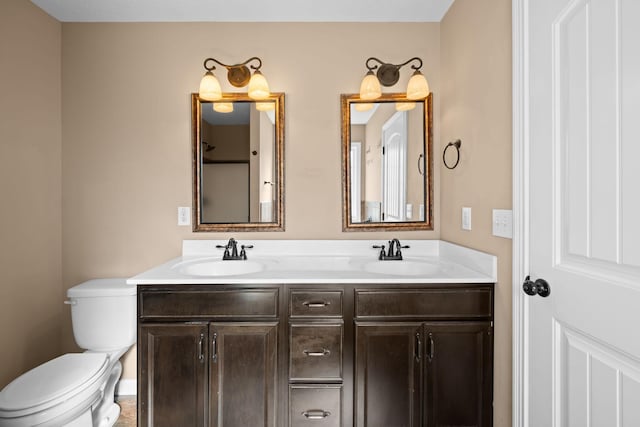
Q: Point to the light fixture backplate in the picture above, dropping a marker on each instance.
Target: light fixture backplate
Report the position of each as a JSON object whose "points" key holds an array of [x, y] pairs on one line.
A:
{"points": [[388, 74], [239, 75]]}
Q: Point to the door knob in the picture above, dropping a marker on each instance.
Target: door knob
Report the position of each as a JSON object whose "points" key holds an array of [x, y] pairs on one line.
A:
{"points": [[540, 287]]}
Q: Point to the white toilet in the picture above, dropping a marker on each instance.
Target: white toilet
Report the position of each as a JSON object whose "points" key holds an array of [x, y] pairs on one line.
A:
{"points": [[77, 389]]}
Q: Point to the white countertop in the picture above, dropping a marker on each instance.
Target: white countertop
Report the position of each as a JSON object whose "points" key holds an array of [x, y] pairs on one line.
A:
{"points": [[323, 261]]}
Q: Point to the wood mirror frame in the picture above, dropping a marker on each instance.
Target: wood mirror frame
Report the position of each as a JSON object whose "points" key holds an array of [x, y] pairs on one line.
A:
{"points": [[426, 161], [277, 224]]}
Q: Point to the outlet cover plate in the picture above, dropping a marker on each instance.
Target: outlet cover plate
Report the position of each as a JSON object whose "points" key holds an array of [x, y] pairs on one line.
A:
{"points": [[503, 223], [184, 216], [466, 218]]}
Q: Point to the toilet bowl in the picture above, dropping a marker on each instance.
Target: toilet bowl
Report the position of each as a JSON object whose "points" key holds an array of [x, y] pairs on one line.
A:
{"points": [[78, 389]]}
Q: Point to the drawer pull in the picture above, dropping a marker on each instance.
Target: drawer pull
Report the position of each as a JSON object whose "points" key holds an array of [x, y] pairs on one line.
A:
{"points": [[316, 414], [316, 304], [321, 353], [214, 348], [432, 347], [201, 349]]}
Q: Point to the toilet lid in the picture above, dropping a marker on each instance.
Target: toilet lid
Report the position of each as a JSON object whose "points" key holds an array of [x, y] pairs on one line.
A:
{"points": [[51, 380]]}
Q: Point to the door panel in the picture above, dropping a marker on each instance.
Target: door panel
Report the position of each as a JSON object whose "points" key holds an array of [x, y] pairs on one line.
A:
{"points": [[173, 380], [459, 374], [243, 380], [583, 101], [388, 375]]}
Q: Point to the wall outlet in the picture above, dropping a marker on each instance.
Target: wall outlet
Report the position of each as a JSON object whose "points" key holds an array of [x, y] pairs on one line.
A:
{"points": [[184, 216], [503, 223], [466, 218]]}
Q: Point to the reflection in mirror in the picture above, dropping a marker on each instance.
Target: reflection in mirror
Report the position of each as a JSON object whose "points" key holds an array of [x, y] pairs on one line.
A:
{"points": [[386, 157], [238, 147]]}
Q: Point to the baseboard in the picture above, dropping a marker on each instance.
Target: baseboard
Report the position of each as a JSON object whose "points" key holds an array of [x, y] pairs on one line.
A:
{"points": [[127, 388]]}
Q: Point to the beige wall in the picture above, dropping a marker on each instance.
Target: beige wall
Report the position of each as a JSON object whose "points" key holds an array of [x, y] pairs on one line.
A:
{"points": [[476, 107], [30, 169], [127, 130]]}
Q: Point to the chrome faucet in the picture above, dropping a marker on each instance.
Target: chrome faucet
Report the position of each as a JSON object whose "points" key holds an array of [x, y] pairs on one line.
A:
{"points": [[231, 250], [394, 252]]}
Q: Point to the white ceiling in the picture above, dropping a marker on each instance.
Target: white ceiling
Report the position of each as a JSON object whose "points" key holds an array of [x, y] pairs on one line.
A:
{"points": [[245, 10]]}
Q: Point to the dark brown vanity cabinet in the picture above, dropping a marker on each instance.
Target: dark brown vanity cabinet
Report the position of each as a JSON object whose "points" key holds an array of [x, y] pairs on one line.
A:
{"points": [[315, 355], [424, 357], [214, 366]]}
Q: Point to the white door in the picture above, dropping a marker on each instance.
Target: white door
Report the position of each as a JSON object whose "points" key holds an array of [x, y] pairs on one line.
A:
{"points": [[581, 115], [394, 167]]}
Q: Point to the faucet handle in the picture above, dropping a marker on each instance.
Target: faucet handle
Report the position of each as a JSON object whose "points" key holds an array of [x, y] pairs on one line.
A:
{"points": [[243, 252], [399, 252], [226, 251], [382, 254]]}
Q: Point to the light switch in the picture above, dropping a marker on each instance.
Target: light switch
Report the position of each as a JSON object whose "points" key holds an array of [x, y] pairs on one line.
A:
{"points": [[466, 218], [184, 216], [503, 223]]}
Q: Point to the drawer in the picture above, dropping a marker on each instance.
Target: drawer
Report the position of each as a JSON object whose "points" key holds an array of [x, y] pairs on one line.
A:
{"points": [[304, 303], [315, 406], [209, 304], [473, 303], [315, 352]]}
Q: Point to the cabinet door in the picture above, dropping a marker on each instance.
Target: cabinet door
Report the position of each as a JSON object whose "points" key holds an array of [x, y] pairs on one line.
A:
{"points": [[172, 363], [388, 375], [459, 374], [243, 381]]}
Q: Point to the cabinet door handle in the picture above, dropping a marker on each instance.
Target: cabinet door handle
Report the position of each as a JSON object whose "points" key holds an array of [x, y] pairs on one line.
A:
{"points": [[316, 414], [432, 347], [201, 348], [214, 347], [321, 353], [418, 347], [316, 304]]}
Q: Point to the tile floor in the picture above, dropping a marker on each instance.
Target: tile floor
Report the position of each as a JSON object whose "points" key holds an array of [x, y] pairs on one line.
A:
{"points": [[128, 412]]}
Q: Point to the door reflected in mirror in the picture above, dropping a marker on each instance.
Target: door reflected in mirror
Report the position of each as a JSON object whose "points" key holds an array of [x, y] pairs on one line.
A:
{"points": [[386, 150], [238, 158]]}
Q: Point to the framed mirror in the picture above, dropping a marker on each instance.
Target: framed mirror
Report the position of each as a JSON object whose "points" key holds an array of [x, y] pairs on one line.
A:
{"points": [[387, 163], [238, 158]]}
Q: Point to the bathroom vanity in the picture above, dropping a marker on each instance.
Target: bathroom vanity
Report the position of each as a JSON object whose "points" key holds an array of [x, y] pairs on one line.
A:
{"points": [[322, 336]]}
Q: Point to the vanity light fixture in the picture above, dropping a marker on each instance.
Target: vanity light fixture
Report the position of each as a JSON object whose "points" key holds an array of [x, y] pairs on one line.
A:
{"points": [[223, 107], [405, 106], [265, 106], [363, 106], [238, 75], [388, 75]]}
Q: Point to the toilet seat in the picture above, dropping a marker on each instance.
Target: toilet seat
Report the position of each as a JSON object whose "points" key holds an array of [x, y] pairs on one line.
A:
{"points": [[62, 382]]}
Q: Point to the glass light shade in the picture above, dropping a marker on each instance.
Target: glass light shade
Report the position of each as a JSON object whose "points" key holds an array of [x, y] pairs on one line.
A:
{"points": [[265, 106], [405, 106], [418, 88], [223, 107], [363, 106], [370, 87], [209, 88], [258, 86]]}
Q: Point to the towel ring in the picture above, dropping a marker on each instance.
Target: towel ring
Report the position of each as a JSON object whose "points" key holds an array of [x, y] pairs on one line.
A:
{"points": [[457, 143]]}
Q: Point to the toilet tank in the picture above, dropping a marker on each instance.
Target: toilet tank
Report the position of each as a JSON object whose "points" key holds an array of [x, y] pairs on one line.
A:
{"points": [[103, 314]]}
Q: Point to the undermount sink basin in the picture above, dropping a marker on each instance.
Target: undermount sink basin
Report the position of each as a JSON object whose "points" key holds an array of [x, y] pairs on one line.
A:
{"points": [[222, 268], [402, 268]]}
